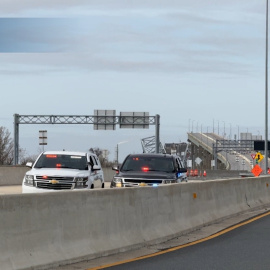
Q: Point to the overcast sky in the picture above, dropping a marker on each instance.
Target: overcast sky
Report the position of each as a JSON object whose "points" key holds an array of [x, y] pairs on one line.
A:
{"points": [[198, 64]]}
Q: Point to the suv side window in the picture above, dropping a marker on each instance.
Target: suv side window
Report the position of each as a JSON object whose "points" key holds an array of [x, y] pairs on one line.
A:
{"points": [[179, 164], [97, 161], [92, 162]]}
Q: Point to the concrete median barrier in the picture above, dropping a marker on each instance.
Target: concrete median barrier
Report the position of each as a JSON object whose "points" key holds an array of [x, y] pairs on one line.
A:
{"points": [[40, 231], [13, 175]]}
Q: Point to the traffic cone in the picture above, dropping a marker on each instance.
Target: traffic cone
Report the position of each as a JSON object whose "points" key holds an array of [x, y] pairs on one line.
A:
{"points": [[196, 172], [204, 173], [191, 173]]}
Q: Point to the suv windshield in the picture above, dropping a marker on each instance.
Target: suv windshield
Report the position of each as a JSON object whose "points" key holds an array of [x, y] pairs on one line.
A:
{"points": [[140, 163], [62, 161]]}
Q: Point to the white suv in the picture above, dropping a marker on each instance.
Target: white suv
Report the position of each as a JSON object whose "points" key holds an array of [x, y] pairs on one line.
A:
{"points": [[63, 170]]}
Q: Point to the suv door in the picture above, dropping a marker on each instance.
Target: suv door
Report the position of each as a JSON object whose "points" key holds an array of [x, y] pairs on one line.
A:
{"points": [[97, 175], [181, 172]]}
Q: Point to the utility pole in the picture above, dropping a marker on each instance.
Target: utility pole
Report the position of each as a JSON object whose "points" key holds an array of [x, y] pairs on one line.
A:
{"points": [[266, 92]]}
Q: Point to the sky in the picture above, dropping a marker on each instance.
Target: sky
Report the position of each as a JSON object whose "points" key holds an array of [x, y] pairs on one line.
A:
{"points": [[200, 65]]}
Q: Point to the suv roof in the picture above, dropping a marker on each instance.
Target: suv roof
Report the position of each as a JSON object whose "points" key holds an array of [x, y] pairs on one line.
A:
{"points": [[152, 155], [65, 153]]}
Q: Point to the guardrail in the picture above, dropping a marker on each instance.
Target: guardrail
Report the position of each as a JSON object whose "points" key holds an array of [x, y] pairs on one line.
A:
{"points": [[42, 231]]}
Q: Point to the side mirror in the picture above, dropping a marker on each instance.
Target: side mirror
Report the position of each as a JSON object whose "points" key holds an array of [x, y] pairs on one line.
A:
{"points": [[95, 168], [183, 170], [29, 164], [115, 168]]}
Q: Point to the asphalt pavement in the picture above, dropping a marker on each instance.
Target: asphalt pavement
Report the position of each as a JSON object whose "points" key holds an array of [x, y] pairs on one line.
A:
{"points": [[242, 248]]}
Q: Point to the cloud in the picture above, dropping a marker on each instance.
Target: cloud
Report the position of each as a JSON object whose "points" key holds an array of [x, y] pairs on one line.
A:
{"points": [[24, 7], [142, 36]]}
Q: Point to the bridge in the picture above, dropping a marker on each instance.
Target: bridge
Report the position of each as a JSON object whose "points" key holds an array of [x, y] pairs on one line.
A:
{"points": [[226, 154]]}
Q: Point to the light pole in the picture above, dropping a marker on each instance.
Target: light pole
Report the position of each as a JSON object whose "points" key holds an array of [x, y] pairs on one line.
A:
{"points": [[224, 131], [266, 92]]}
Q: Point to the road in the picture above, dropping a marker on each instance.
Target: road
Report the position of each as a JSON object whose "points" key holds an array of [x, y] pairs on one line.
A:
{"points": [[245, 247], [244, 160]]}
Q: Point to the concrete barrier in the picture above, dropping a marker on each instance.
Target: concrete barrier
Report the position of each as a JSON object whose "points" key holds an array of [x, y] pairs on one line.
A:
{"points": [[13, 175], [41, 231]]}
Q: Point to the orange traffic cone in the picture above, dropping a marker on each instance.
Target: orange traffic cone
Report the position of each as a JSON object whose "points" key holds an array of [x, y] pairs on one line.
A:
{"points": [[204, 173], [191, 173], [196, 172]]}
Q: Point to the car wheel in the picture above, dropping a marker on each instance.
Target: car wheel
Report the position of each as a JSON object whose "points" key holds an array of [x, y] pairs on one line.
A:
{"points": [[103, 185], [92, 186]]}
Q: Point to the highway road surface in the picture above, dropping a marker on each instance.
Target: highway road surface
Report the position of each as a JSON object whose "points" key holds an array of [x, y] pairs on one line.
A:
{"points": [[242, 247], [237, 243]]}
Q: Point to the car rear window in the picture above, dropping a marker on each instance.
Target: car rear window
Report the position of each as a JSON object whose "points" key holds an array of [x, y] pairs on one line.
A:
{"points": [[139, 163], [62, 161]]}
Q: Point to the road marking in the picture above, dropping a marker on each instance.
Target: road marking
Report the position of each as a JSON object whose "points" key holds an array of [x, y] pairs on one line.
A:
{"points": [[185, 245]]}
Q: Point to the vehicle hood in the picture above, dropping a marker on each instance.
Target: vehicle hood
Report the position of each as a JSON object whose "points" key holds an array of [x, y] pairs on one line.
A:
{"points": [[58, 172], [146, 175]]}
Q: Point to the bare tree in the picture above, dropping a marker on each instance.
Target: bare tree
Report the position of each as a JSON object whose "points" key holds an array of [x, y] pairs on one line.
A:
{"points": [[102, 155], [25, 157], [6, 147]]}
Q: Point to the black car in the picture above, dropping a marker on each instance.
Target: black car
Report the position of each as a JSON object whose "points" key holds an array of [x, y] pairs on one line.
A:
{"points": [[149, 170]]}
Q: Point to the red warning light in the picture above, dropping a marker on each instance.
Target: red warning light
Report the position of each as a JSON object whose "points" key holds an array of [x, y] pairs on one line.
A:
{"points": [[145, 169], [58, 165], [51, 156], [44, 176]]}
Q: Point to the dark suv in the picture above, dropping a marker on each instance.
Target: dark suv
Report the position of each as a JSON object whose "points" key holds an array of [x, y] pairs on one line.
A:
{"points": [[149, 170]]}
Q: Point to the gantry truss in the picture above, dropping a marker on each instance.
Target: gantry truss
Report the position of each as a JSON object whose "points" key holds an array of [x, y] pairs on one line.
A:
{"points": [[102, 119]]}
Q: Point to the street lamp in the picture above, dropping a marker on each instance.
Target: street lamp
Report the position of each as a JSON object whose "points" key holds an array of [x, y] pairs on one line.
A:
{"points": [[266, 92]]}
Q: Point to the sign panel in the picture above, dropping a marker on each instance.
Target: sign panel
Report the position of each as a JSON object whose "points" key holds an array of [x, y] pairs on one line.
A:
{"points": [[134, 120], [257, 170], [43, 137], [104, 119], [198, 161], [260, 145], [259, 157]]}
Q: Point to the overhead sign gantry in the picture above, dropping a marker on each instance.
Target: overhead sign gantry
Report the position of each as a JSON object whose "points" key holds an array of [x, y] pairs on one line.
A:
{"points": [[102, 120]]}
